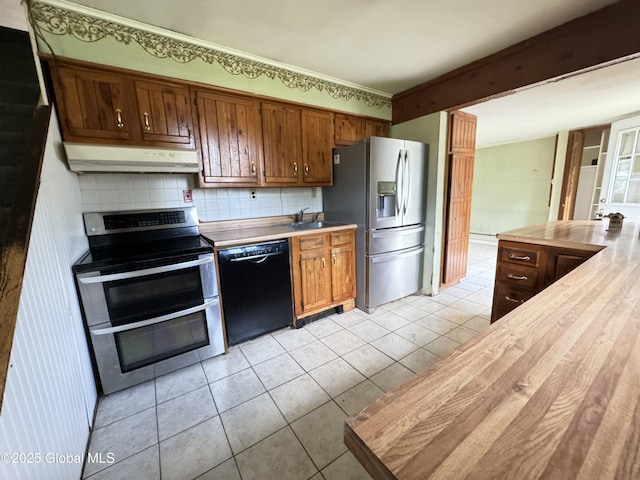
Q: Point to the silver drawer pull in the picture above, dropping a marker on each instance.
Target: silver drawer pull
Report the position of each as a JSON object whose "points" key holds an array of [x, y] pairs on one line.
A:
{"points": [[514, 300], [517, 277], [524, 258]]}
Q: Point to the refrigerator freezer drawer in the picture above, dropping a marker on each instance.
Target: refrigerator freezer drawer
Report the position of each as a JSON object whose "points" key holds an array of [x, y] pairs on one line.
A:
{"points": [[392, 239], [393, 275]]}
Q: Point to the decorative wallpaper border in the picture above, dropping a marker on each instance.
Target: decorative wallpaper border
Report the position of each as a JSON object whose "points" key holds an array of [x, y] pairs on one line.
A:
{"points": [[60, 21]]}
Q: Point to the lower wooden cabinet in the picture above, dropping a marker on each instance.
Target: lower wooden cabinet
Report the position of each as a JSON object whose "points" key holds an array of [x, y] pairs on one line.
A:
{"points": [[324, 273], [525, 269]]}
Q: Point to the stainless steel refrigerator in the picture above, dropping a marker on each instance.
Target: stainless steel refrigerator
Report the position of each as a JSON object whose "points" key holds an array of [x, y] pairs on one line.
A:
{"points": [[379, 184]]}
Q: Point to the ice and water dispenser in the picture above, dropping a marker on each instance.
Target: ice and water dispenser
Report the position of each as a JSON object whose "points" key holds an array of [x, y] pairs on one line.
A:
{"points": [[386, 199]]}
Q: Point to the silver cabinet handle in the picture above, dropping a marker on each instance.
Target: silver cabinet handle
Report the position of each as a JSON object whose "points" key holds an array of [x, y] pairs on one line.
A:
{"points": [[514, 300], [517, 277], [146, 271], [153, 321], [523, 258]]}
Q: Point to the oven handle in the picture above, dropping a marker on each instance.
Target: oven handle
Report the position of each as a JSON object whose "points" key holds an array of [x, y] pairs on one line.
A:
{"points": [[153, 321], [146, 271]]}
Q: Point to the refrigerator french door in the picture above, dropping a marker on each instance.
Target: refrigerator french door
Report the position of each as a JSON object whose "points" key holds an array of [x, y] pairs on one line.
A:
{"points": [[379, 184], [396, 178]]}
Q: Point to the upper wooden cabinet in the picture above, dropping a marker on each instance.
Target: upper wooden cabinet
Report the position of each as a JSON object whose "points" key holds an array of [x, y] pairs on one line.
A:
{"points": [[282, 143], [164, 112], [317, 141], [242, 140], [297, 145], [270, 144], [350, 129], [93, 105], [107, 106], [374, 128], [230, 140]]}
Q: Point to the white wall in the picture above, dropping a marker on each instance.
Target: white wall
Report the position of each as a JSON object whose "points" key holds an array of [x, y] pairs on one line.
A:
{"points": [[121, 191], [13, 14], [432, 130], [50, 392]]}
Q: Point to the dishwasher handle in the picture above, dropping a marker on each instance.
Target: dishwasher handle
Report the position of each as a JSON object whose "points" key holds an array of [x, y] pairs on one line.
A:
{"points": [[263, 257]]}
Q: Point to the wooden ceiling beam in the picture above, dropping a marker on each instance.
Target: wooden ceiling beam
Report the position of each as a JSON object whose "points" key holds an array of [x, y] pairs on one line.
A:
{"points": [[601, 37]]}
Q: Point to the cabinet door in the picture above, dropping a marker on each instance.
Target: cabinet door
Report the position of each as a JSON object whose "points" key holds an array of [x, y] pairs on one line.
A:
{"points": [[317, 141], [92, 104], [164, 113], [230, 139], [562, 261], [315, 280], [343, 274], [376, 129], [281, 139], [348, 129]]}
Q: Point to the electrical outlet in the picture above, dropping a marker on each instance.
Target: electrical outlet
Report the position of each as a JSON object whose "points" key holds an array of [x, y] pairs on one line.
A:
{"points": [[253, 195], [186, 195]]}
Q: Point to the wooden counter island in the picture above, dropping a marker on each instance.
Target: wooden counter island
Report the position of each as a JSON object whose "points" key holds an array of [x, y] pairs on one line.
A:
{"points": [[550, 390]]}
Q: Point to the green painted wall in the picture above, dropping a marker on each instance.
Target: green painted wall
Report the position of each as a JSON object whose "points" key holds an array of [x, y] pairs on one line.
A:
{"points": [[511, 186], [432, 130], [108, 51]]}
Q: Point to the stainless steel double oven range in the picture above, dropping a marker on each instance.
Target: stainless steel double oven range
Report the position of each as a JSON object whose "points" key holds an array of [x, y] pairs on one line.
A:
{"points": [[149, 294]]}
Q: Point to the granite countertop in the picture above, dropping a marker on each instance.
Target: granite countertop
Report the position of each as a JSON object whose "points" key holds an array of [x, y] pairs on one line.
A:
{"points": [[551, 390]]}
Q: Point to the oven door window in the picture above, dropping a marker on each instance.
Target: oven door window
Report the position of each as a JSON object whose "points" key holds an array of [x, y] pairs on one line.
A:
{"points": [[146, 345], [139, 298]]}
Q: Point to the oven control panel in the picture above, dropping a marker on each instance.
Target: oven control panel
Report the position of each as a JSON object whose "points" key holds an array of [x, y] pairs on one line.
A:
{"points": [[101, 223], [135, 220]]}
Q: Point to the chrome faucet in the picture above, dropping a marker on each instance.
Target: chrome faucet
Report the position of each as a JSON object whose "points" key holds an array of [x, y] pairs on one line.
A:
{"points": [[300, 214]]}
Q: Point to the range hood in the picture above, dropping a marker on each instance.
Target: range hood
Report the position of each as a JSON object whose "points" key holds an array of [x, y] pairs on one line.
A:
{"points": [[84, 157]]}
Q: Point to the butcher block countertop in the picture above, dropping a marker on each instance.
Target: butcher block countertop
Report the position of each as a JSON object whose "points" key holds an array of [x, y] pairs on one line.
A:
{"points": [[551, 390], [265, 229]]}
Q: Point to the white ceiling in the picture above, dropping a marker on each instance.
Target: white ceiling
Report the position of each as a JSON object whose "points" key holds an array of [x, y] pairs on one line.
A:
{"points": [[393, 45]]}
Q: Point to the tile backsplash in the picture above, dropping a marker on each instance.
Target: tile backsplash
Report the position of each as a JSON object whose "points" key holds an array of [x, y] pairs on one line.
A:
{"points": [[122, 191]]}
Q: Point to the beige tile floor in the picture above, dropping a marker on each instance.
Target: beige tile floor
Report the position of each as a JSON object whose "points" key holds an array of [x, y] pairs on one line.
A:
{"points": [[274, 408]]}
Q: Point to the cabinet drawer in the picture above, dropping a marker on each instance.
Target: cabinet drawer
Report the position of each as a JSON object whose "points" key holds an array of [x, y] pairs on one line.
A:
{"points": [[340, 238], [310, 242], [507, 297], [520, 276], [520, 254]]}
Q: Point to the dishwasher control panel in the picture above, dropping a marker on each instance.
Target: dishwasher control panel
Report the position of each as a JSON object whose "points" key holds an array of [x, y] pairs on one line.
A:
{"points": [[256, 250]]}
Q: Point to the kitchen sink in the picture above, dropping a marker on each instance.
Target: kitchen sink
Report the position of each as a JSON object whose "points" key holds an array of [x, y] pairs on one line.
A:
{"points": [[311, 225]]}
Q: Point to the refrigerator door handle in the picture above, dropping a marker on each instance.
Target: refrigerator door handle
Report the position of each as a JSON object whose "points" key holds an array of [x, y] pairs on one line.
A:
{"points": [[406, 183], [393, 256], [399, 185]]}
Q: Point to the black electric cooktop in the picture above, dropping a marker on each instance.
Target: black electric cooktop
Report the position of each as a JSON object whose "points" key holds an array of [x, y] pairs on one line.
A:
{"points": [[135, 255]]}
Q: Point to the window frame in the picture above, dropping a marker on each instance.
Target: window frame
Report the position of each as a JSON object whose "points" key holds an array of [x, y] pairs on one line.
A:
{"points": [[634, 157]]}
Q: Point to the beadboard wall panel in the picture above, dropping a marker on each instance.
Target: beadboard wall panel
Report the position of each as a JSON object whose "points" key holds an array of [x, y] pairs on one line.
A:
{"points": [[50, 394]]}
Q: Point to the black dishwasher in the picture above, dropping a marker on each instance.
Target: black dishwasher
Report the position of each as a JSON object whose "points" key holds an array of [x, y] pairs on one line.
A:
{"points": [[255, 288]]}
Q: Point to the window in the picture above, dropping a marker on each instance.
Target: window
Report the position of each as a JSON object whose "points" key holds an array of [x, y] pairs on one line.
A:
{"points": [[625, 181]]}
